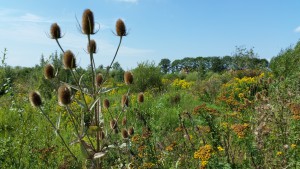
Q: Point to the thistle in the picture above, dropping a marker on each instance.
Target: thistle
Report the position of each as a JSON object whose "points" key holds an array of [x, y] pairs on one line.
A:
{"points": [[128, 78], [124, 133], [141, 97], [64, 95], [131, 131], [35, 99], [55, 31], [121, 28], [106, 103], [92, 46], [69, 60], [49, 71], [113, 124], [125, 101], [88, 23], [99, 79], [124, 121]]}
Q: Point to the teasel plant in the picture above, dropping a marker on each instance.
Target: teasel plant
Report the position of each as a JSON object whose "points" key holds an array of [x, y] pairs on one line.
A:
{"points": [[96, 144]]}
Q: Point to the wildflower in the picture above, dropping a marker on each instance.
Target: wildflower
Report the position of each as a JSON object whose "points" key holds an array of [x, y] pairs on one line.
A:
{"points": [[128, 78], [121, 28], [69, 60], [204, 163], [204, 153], [49, 71], [220, 148], [64, 95], [88, 23], [293, 146], [55, 31], [35, 99], [92, 47], [279, 153]]}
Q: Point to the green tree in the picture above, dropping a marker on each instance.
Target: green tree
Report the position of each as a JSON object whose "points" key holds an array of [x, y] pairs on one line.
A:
{"points": [[165, 65]]}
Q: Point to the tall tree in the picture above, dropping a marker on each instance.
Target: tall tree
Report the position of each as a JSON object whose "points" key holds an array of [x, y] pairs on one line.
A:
{"points": [[165, 65]]}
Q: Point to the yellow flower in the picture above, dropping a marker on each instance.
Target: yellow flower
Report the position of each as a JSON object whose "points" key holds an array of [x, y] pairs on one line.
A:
{"points": [[220, 148], [293, 146], [204, 163], [279, 153]]}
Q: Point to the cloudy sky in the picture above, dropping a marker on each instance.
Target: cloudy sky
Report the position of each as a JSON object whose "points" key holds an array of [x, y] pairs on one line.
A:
{"points": [[158, 29]]}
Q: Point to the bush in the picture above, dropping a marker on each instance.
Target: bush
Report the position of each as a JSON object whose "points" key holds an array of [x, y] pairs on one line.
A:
{"points": [[147, 76]]}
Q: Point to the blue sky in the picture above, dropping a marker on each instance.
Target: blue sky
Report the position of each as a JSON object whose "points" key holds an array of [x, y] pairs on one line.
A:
{"points": [[158, 29]]}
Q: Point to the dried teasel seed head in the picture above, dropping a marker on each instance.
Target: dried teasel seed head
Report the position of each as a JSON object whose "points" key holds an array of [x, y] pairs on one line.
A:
{"points": [[258, 96], [55, 31], [124, 121], [113, 124], [64, 95], [270, 80], [124, 133], [35, 99], [102, 135], [141, 97], [131, 131], [49, 71], [92, 46], [69, 60], [128, 78], [125, 101], [88, 23], [99, 79], [106, 103], [121, 28]]}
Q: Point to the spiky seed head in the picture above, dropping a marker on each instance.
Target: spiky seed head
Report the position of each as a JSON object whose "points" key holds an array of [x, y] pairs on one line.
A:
{"points": [[121, 28], [99, 79], [141, 97], [49, 71], [124, 133], [106, 103], [258, 96], [55, 31], [92, 46], [69, 60], [131, 131], [113, 124], [124, 121], [128, 78], [125, 101], [102, 135], [88, 23], [35, 99], [270, 80], [64, 95]]}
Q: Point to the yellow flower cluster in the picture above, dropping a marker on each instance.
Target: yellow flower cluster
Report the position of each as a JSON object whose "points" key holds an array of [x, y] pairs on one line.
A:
{"points": [[171, 147], [204, 153], [220, 148], [239, 129], [181, 84], [148, 165]]}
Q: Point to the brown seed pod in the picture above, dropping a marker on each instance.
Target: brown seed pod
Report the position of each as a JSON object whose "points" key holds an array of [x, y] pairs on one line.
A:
{"points": [[88, 23], [116, 131], [270, 80], [55, 31], [124, 121], [125, 101], [258, 96], [124, 133], [106, 103], [35, 99], [69, 60], [64, 95], [131, 131], [113, 124], [92, 46], [128, 78], [120, 28], [99, 79], [141, 97], [49, 71]]}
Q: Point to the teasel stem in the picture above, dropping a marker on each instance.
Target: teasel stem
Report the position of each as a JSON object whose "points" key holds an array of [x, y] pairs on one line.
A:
{"points": [[59, 45], [58, 133], [93, 68], [81, 91], [112, 62]]}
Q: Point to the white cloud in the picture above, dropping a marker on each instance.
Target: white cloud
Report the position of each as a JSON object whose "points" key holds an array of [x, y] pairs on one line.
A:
{"points": [[297, 29]]}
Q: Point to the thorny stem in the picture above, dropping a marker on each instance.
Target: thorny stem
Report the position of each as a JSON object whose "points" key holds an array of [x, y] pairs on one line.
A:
{"points": [[107, 71], [58, 132], [59, 45]]}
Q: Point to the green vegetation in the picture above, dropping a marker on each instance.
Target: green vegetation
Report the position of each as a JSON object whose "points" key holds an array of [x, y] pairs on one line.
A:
{"points": [[203, 112]]}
